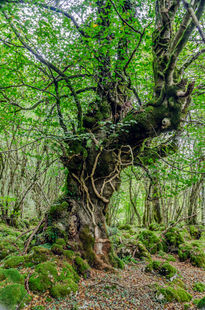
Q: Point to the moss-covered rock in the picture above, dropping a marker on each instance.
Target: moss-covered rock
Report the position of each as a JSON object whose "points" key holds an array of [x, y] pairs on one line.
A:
{"points": [[61, 241], [151, 241], [201, 303], [57, 209], [6, 248], [164, 269], [14, 296], [141, 251], [195, 231], [44, 277], [192, 252], [197, 258], [82, 267], [11, 275], [57, 249], [69, 254], [38, 254], [184, 251], [178, 282], [199, 287], [63, 289], [68, 272], [173, 237], [124, 227], [170, 293], [14, 261]]}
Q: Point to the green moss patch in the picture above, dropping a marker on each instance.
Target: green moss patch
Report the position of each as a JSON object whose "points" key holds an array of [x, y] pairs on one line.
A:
{"points": [[141, 251], [88, 241], [57, 249], [69, 254], [82, 267], [38, 254], [63, 289], [164, 269], [170, 293], [199, 287], [14, 296], [11, 275], [192, 252], [174, 237], [44, 277], [201, 303], [151, 241], [14, 261]]}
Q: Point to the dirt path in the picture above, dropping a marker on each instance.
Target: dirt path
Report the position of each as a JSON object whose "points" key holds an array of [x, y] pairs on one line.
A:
{"points": [[129, 289]]}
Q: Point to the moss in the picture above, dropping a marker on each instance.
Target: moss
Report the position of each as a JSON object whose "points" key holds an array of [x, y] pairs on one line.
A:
{"points": [[38, 254], [68, 272], [151, 241], [125, 227], [63, 289], [115, 261], [141, 251], [187, 306], [14, 296], [201, 303], [69, 254], [57, 249], [44, 277], [154, 227], [167, 270], [174, 237], [171, 294], [14, 261], [57, 209], [199, 287], [184, 251], [197, 258], [170, 258], [88, 241], [61, 241], [11, 275], [179, 282], [195, 231], [82, 267], [6, 248], [192, 252], [164, 269]]}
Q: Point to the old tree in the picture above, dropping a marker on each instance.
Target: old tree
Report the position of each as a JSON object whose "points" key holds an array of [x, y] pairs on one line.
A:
{"points": [[98, 80]]}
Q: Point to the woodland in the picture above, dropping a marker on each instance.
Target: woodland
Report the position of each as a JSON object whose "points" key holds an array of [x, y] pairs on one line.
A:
{"points": [[102, 179]]}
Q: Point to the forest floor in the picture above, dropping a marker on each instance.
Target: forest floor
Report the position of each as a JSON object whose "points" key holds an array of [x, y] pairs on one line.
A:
{"points": [[131, 288]]}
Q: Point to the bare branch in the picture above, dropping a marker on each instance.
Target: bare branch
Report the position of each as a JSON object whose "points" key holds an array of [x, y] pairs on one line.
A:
{"points": [[195, 19]]}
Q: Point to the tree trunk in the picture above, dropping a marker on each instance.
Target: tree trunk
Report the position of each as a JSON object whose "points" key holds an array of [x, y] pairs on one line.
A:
{"points": [[80, 216]]}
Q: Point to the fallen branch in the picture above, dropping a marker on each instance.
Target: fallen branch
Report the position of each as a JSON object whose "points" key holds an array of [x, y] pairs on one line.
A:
{"points": [[33, 234]]}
